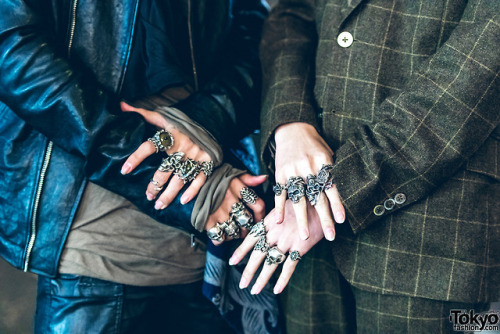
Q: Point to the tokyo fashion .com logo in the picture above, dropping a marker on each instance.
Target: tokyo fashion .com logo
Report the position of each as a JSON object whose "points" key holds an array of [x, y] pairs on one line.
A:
{"points": [[471, 321]]}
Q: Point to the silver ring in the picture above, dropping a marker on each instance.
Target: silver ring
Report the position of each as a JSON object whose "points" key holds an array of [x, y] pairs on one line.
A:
{"points": [[232, 229], [207, 167], [325, 176], [314, 188], [248, 195], [158, 188], [278, 189], [188, 170], [259, 229], [162, 140], [296, 188], [262, 245], [295, 255], [216, 233], [240, 215], [154, 182], [172, 162], [275, 256]]}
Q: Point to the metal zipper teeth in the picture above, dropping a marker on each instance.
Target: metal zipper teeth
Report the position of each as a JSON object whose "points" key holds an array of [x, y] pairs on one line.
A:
{"points": [[73, 25], [45, 165], [46, 160], [191, 47]]}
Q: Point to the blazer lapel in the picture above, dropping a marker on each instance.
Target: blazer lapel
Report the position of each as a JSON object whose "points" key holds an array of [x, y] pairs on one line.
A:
{"points": [[348, 7]]}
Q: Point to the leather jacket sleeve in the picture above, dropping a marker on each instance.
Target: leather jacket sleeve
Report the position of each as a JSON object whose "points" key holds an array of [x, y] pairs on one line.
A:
{"points": [[227, 105], [69, 108]]}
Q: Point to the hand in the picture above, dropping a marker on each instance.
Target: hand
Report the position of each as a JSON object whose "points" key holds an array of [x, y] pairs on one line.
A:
{"points": [[301, 151], [182, 143], [233, 196], [285, 236]]}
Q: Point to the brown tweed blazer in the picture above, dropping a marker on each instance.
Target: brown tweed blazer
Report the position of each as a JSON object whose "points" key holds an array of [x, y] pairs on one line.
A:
{"points": [[412, 110]]}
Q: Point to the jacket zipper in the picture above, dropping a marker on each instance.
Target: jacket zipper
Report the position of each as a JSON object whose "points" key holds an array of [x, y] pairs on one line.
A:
{"points": [[46, 160], [191, 47], [45, 165]]}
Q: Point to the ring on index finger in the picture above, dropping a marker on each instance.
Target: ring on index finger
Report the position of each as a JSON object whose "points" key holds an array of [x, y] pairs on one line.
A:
{"points": [[259, 229], [248, 195], [241, 216], [278, 188], [162, 140]]}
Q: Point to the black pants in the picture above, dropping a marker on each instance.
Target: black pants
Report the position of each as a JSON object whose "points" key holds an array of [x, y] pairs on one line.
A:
{"points": [[76, 304]]}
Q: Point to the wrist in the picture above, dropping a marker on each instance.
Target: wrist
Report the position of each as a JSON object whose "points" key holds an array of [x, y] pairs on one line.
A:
{"points": [[289, 131]]}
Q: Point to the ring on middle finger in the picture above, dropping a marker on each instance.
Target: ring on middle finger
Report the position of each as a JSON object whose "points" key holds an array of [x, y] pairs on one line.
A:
{"points": [[171, 162], [248, 195], [188, 170], [296, 188], [275, 256], [241, 216]]}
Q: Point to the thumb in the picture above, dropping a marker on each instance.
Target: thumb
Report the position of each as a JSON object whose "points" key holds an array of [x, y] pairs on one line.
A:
{"points": [[127, 107], [253, 181]]}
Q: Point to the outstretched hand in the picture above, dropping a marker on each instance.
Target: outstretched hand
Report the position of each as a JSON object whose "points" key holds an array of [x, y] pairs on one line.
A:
{"points": [[173, 183]]}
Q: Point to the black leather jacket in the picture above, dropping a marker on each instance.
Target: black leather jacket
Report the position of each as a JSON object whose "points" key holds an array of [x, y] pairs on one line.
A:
{"points": [[62, 63]]}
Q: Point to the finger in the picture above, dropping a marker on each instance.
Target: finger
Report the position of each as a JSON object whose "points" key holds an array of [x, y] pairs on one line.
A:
{"points": [[325, 216], [279, 205], [286, 272], [222, 214], [193, 188], [253, 181], [336, 204], [173, 188], [246, 246], [300, 210], [156, 184], [145, 150], [251, 268], [258, 208], [265, 274]]}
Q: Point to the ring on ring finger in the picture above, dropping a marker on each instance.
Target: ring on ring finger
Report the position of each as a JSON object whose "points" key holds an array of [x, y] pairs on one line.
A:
{"points": [[296, 188]]}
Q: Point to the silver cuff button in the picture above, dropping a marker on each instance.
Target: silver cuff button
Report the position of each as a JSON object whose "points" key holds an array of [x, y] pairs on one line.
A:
{"points": [[400, 198]]}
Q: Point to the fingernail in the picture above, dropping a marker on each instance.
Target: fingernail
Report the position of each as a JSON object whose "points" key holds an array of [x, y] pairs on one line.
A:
{"points": [[150, 196], [243, 283], [330, 234], [278, 288], [159, 205], [255, 289], [185, 199], [339, 217], [304, 233], [126, 168], [233, 260]]}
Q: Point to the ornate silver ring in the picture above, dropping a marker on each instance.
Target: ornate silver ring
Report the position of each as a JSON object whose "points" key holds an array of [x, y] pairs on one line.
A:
{"points": [[314, 188], [241, 216], [207, 167], [259, 229], [296, 188], [171, 162], [216, 233], [278, 189], [262, 245], [162, 140], [248, 195], [275, 256], [295, 255], [232, 229], [188, 170], [325, 176]]}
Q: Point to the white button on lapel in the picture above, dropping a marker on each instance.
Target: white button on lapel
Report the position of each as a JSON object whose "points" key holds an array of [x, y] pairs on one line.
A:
{"points": [[345, 39]]}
